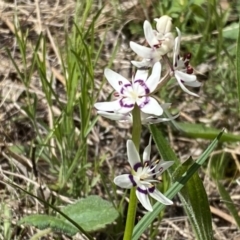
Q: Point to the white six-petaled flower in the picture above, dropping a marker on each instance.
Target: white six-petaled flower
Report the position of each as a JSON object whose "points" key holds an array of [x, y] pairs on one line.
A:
{"points": [[136, 92], [145, 118], [161, 42], [182, 71], [144, 175]]}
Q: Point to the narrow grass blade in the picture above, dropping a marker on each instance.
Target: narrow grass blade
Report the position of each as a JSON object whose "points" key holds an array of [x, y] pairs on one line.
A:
{"points": [[218, 165], [194, 199], [238, 65], [168, 154], [229, 203]]}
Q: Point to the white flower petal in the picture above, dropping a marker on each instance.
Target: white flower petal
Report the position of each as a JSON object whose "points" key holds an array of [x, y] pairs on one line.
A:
{"points": [[123, 181], [144, 199], [149, 34], [132, 154], [193, 84], [154, 79], [116, 80], [164, 24], [184, 88], [127, 105], [151, 106], [145, 63], [154, 119], [162, 166], [176, 47], [141, 75], [141, 51], [185, 77], [116, 116], [113, 106], [160, 197], [147, 151]]}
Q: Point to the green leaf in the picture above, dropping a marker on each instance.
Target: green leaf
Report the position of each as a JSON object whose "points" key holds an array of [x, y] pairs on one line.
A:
{"points": [[45, 221], [195, 202], [91, 213], [167, 154], [228, 202], [238, 65], [200, 131], [231, 31], [218, 165], [80, 229]]}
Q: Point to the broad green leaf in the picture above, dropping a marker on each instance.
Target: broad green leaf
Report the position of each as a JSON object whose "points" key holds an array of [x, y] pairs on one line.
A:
{"points": [[45, 221], [195, 202], [231, 31], [200, 131], [91, 213], [167, 154], [238, 65], [80, 229]]}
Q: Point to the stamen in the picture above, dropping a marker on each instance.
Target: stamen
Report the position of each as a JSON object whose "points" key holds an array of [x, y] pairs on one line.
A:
{"points": [[153, 174], [189, 70], [146, 164], [116, 94], [157, 45]]}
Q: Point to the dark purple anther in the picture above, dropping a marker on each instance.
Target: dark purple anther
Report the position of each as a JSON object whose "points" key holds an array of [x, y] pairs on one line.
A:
{"points": [[189, 70]]}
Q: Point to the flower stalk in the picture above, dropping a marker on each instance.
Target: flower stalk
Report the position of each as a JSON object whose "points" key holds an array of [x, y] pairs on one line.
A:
{"points": [[132, 206]]}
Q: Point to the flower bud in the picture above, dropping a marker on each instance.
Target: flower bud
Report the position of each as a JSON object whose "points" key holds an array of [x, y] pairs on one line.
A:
{"points": [[164, 24]]}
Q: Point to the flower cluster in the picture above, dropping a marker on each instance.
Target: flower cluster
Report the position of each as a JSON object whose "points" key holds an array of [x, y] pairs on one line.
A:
{"points": [[139, 92]]}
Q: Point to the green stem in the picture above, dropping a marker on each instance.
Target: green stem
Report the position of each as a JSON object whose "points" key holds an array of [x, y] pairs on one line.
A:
{"points": [[132, 206]]}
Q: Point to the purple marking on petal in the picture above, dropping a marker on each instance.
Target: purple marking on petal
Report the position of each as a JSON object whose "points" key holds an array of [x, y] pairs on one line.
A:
{"points": [[160, 169], [151, 189], [132, 180], [145, 102], [181, 80], [136, 166], [122, 104], [124, 87], [143, 85], [120, 83], [144, 191]]}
